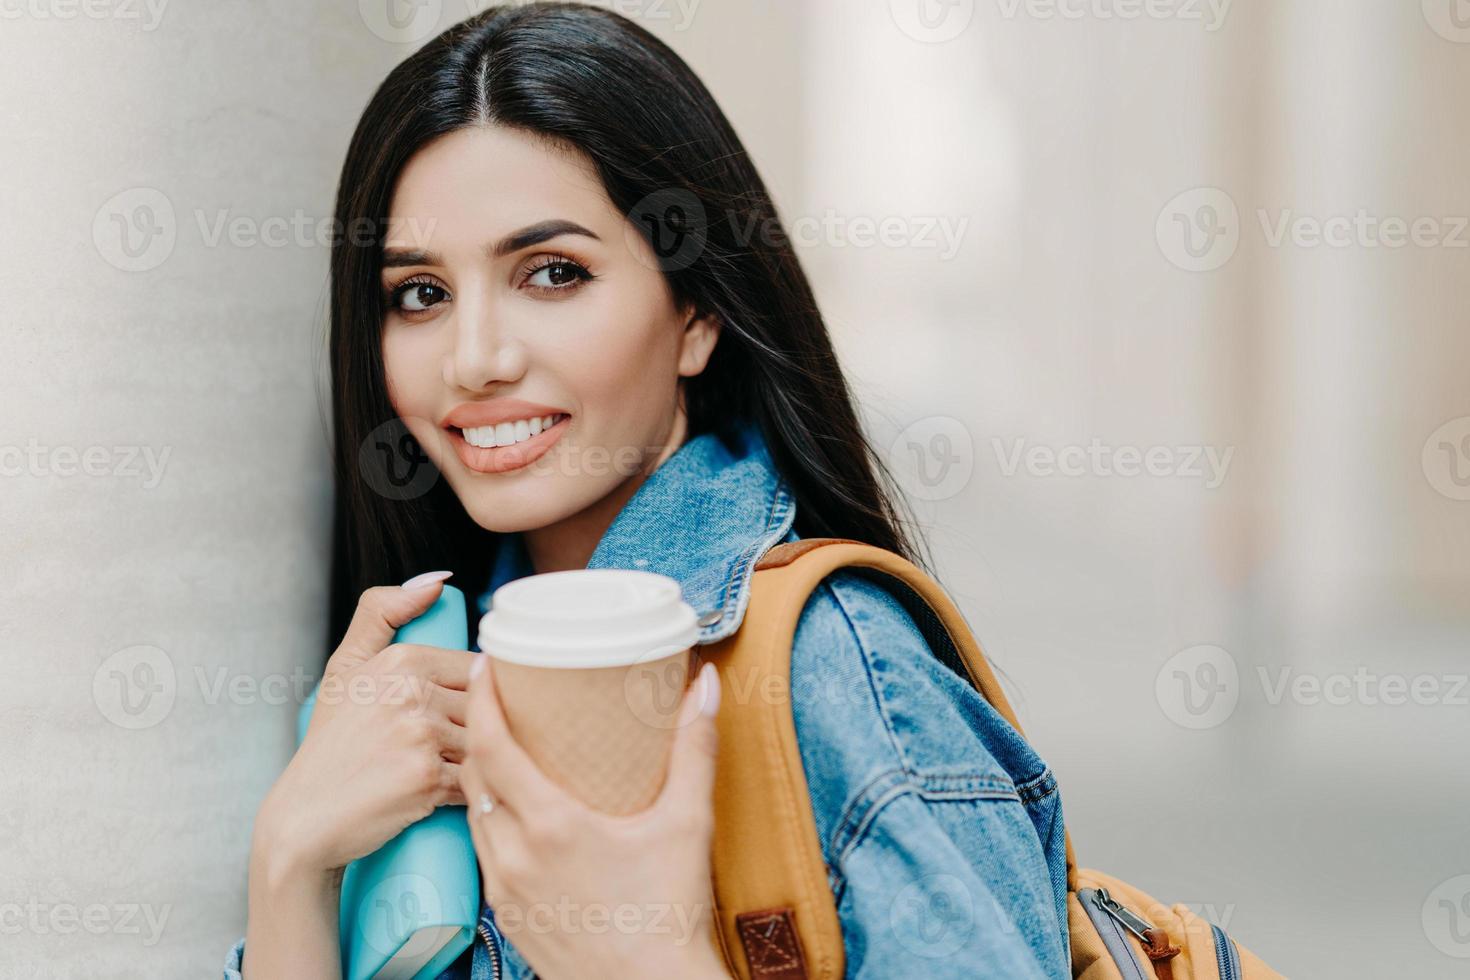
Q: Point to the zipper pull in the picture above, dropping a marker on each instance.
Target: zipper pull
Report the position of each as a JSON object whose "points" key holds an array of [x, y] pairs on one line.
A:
{"points": [[1126, 917]]}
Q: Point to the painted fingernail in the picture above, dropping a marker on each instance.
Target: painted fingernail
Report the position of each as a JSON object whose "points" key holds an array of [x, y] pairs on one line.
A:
{"points": [[428, 578], [477, 665], [710, 678]]}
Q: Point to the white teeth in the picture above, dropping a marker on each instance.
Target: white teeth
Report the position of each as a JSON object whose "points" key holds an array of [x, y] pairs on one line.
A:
{"points": [[508, 433]]}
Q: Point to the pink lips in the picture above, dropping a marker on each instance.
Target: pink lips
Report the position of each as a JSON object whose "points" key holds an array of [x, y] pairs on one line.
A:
{"points": [[472, 415], [503, 459]]}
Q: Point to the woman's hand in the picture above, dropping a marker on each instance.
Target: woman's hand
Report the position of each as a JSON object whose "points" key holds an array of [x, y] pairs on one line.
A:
{"points": [[382, 750], [584, 894], [384, 744]]}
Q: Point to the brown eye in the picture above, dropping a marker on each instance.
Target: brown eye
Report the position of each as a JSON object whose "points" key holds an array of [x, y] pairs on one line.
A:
{"points": [[417, 297], [557, 274]]}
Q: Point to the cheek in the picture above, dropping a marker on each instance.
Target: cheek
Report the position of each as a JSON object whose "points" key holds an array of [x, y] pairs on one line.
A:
{"points": [[633, 354], [411, 369]]}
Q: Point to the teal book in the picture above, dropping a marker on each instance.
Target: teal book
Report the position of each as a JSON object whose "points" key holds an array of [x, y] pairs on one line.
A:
{"points": [[410, 908]]}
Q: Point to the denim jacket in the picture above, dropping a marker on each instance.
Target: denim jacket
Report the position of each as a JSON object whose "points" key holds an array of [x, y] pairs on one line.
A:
{"points": [[940, 827]]}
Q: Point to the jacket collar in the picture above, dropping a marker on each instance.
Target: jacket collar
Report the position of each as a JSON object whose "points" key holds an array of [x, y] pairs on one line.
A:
{"points": [[703, 518]]}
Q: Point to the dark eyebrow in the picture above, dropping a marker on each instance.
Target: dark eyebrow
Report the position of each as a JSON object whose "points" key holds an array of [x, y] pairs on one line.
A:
{"points": [[514, 242]]}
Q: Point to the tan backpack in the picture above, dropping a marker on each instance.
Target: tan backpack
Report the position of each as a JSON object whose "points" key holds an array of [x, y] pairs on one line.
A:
{"points": [[775, 910]]}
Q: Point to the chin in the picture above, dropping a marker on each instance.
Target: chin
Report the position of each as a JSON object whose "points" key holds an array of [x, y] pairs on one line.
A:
{"points": [[530, 504], [504, 513]]}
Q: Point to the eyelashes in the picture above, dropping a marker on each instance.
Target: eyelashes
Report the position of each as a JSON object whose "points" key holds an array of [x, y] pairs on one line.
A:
{"points": [[546, 275], [562, 274], [413, 290]]}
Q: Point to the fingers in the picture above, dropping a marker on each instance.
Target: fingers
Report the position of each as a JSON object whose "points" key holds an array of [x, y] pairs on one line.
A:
{"points": [[447, 789], [472, 788], [509, 774], [691, 780], [454, 789], [447, 668], [453, 741], [382, 610], [455, 705]]}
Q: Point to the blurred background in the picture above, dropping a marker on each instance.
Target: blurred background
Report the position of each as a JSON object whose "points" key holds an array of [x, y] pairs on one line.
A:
{"points": [[1158, 310]]}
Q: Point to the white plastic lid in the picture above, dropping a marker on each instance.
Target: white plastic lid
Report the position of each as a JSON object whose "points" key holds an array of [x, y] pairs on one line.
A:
{"points": [[600, 617]]}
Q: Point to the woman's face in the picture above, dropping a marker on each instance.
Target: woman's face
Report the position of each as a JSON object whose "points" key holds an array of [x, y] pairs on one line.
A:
{"points": [[518, 296]]}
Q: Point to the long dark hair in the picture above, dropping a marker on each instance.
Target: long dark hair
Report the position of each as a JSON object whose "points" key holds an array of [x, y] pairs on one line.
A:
{"points": [[590, 79]]}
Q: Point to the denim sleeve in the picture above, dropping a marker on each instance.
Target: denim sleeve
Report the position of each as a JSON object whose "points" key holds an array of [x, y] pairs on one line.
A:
{"points": [[940, 826], [234, 960]]}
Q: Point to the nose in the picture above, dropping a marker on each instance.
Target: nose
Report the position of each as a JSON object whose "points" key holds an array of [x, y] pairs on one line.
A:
{"points": [[485, 350]]}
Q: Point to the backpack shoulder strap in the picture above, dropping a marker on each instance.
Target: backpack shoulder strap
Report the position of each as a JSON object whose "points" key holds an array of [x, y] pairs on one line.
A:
{"points": [[776, 919]]}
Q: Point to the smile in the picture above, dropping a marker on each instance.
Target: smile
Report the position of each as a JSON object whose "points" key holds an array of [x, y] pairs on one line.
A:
{"points": [[507, 446], [508, 433]]}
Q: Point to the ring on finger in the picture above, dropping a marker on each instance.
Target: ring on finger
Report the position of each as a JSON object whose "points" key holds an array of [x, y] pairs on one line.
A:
{"points": [[487, 804]]}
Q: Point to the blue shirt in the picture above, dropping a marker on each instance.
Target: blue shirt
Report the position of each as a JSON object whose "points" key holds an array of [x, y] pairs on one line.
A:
{"points": [[940, 827]]}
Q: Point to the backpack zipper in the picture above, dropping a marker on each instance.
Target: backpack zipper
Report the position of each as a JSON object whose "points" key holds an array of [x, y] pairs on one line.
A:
{"points": [[1225, 955], [1111, 919], [1129, 919], [494, 950]]}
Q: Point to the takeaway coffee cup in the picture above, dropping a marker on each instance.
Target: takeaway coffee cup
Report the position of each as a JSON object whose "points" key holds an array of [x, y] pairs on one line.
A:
{"points": [[590, 666]]}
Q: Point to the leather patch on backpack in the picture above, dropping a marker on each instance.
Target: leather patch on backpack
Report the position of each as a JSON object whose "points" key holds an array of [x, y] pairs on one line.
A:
{"points": [[771, 945]]}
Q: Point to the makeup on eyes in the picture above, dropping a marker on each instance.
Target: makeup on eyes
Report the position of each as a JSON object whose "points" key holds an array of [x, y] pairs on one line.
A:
{"points": [[579, 273]]}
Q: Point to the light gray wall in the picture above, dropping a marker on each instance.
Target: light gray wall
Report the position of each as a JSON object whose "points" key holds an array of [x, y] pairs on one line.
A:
{"points": [[165, 492]]}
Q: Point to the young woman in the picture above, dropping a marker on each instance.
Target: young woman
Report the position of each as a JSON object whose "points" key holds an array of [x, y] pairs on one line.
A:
{"points": [[576, 303]]}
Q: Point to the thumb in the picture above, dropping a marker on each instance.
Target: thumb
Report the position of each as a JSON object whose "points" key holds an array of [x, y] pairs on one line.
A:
{"points": [[691, 779], [382, 610]]}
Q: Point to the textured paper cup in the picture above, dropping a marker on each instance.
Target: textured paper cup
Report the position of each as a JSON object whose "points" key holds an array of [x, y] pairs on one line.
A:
{"points": [[590, 666]]}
